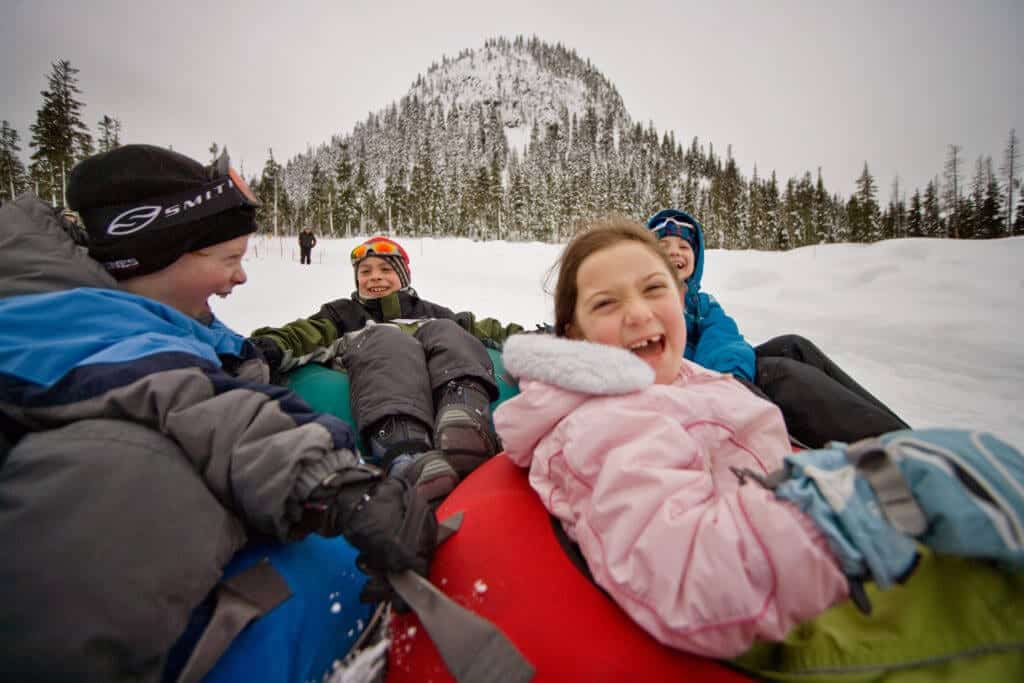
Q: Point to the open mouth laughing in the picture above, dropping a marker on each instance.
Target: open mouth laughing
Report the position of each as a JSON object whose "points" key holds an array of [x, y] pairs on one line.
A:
{"points": [[648, 347]]}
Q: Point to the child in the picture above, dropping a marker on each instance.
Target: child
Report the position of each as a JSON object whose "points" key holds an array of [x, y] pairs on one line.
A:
{"points": [[635, 449], [712, 337], [408, 393], [142, 446], [818, 400]]}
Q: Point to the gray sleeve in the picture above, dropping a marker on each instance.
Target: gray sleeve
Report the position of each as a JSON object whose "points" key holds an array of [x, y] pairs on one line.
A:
{"points": [[260, 449]]}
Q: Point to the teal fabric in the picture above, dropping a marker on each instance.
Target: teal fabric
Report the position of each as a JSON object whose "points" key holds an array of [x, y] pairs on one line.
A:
{"points": [[326, 390]]}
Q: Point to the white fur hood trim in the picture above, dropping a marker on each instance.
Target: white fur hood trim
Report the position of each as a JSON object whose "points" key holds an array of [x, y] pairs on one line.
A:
{"points": [[575, 365]]}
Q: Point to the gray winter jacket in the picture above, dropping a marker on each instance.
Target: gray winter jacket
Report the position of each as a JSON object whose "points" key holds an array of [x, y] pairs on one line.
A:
{"points": [[140, 459]]}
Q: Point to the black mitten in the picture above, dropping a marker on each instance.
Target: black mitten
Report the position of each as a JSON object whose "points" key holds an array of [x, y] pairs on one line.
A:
{"points": [[270, 351], [390, 523], [386, 519]]}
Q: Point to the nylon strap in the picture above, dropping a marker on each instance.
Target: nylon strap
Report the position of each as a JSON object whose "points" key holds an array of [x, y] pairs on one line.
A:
{"points": [[473, 649], [240, 599], [876, 464], [449, 526]]}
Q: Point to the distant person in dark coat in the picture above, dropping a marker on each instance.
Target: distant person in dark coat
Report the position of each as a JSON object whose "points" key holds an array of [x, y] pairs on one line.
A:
{"points": [[307, 240]]}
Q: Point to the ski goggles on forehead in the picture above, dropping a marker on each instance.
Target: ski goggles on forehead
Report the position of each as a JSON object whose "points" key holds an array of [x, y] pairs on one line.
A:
{"points": [[674, 226], [374, 249], [221, 168], [225, 191]]}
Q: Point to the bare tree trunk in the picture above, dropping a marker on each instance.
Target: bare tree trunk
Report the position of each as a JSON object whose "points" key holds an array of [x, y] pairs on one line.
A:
{"points": [[330, 211]]}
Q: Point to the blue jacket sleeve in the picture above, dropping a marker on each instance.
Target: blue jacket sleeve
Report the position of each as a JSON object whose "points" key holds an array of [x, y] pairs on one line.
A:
{"points": [[721, 347]]}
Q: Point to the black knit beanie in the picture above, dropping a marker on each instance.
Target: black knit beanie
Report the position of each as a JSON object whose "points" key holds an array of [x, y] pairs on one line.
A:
{"points": [[145, 206]]}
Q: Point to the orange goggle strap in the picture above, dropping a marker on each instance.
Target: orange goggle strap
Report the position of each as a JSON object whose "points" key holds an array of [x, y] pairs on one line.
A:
{"points": [[374, 247]]}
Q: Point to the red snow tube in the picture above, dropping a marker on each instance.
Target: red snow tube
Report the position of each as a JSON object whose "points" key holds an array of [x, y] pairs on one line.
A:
{"points": [[507, 565]]}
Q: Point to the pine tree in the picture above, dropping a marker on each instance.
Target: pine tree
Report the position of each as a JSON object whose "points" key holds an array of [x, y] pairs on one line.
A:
{"points": [[1010, 169], [972, 221], [59, 136], [730, 208], [214, 152], [864, 214], [1018, 224], [12, 171], [345, 206], [320, 189], [823, 220], [990, 214], [915, 219], [756, 217], [269, 191], [931, 223], [770, 200], [951, 196], [894, 218], [110, 133]]}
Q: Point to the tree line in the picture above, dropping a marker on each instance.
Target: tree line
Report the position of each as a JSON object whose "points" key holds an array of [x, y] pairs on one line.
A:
{"points": [[59, 139], [426, 167], [432, 165]]}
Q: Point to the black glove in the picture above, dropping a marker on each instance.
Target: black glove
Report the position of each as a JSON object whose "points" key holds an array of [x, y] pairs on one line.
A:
{"points": [[391, 525], [269, 350]]}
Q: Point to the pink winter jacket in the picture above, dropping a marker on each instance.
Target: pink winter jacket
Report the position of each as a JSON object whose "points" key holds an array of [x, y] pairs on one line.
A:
{"points": [[639, 476]]}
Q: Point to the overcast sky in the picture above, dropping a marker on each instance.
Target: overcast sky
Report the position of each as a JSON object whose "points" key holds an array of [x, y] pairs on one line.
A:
{"points": [[790, 85]]}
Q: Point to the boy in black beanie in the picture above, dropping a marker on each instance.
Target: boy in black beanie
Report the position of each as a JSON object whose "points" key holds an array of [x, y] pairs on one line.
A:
{"points": [[132, 413]]}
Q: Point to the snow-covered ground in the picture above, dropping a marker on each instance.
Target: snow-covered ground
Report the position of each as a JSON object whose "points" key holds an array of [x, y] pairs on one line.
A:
{"points": [[933, 328]]}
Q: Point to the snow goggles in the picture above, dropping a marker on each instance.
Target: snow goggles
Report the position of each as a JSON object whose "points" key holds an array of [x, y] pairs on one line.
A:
{"points": [[224, 191], [221, 168], [379, 248], [676, 227]]}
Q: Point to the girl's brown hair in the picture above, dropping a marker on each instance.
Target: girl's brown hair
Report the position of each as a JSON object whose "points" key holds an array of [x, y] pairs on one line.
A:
{"points": [[591, 239]]}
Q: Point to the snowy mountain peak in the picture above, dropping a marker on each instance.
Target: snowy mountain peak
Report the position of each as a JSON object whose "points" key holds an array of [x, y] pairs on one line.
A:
{"points": [[525, 81]]}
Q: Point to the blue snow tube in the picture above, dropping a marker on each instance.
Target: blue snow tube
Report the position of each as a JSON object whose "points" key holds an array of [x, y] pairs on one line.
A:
{"points": [[301, 638]]}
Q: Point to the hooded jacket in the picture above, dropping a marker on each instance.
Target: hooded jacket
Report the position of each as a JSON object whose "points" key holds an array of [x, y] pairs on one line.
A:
{"points": [[136, 460], [75, 353], [639, 476], [712, 338]]}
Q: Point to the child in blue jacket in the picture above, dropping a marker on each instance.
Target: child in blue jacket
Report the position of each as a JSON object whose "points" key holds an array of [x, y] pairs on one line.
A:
{"points": [[819, 401], [712, 338]]}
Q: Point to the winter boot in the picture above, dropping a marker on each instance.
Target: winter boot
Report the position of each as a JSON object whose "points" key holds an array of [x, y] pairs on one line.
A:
{"points": [[463, 424], [401, 446], [429, 473], [394, 436]]}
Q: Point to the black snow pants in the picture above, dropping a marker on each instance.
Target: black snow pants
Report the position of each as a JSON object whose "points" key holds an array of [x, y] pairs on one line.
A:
{"points": [[819, 401], [305, 255], [394, 373]]}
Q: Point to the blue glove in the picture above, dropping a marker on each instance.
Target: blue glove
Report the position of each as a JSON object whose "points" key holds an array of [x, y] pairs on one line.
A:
{"points": [[844, 506]]}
